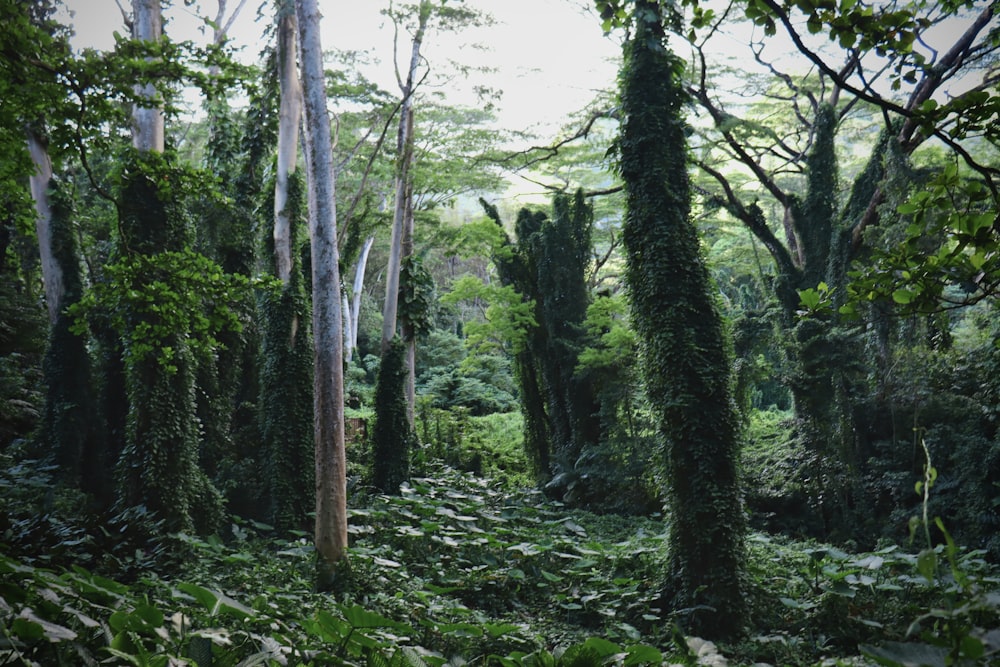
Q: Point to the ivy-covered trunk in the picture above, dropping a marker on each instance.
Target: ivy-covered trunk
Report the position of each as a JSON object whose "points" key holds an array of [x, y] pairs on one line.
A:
{"points": [[286, 377], [685, 356], [68, 429], [158, 467]]}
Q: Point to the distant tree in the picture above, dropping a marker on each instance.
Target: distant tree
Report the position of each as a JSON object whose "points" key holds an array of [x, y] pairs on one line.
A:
{"points": [[685, 356], [547, 265]]}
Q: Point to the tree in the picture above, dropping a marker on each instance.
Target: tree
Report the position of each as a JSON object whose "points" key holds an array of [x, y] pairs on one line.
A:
{"points": [[823, 233], [159, 467], [684, 352], [286, 379], [328, 341]]}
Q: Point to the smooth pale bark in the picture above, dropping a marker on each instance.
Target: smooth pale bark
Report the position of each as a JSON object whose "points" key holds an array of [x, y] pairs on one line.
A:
{"points": [[148, 121], [331, 478], [404, 150], [358, 288], [39, 181], [289, 116], [406, 248]]}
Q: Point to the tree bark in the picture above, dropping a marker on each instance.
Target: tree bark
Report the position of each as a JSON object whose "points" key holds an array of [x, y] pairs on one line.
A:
{"points": [[289, 116], [331, 478], [359, 284], [39, 182], [148, 120]]}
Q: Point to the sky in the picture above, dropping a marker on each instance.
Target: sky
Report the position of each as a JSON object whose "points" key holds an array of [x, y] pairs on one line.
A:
{"points": [[550, 56]]}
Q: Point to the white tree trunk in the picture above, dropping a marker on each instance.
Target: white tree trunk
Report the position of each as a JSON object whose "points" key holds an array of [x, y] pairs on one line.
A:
{"points": [[407, 251], [358, 288], [148, 121], [404, 151], [39, 182], [289, 116], [331, 478]]}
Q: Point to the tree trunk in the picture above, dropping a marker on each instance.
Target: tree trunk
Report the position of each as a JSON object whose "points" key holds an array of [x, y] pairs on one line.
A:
{"points": [[289, 116], [148, 120], [404, 152], [39, 181], [328, 387], [357, 289], [685, 359], [406, 247]]}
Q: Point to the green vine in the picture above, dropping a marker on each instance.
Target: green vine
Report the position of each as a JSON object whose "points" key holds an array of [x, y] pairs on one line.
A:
{"points": [[152, 299]]}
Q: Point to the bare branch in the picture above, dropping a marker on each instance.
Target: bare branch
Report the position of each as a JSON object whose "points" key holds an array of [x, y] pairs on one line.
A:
{"points": [[550, 151]]}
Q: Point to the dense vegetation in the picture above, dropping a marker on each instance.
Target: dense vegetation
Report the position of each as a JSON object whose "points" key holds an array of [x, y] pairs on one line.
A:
{"points": [[735, 377]]}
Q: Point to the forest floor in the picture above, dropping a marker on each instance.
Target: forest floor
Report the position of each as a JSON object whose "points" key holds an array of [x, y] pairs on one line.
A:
{"points": [[454, 571]]}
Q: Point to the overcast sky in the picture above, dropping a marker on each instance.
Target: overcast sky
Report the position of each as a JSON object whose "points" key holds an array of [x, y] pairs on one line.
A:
{"points": [[550, 55]]}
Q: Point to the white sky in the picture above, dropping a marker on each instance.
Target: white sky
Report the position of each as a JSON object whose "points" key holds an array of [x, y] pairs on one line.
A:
{"points": [[550, 55]]}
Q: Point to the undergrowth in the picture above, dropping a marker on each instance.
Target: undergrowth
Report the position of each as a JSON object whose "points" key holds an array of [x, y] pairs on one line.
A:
{"points": [[457, 571]]}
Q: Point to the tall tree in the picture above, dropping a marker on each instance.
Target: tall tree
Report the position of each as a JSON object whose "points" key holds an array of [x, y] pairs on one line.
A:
{"points": [[424, 15], [684, 352], [819, 231], [328, 341], [159, 467], [286, 378]]}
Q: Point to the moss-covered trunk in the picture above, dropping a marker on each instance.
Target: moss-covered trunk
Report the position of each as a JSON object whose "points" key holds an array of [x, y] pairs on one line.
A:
{"points": [[685, 356]]}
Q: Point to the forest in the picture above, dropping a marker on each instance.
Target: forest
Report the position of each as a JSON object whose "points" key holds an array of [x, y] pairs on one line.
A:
{"points": [[289, 374]]}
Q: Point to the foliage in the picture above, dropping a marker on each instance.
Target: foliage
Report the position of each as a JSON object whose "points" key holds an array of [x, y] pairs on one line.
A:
{"points": [[454, 570], [685, 355], [150, 298], [958, 632], [489, 445], [416, 286], [507, 316], [947, 257]]}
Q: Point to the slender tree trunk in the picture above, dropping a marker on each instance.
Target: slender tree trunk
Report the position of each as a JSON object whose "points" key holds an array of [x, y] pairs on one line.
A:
{"points": [[148, 120], [406, 243], [328, 401], [404, 151], [289, 116], [39, 181], [357, 289]]}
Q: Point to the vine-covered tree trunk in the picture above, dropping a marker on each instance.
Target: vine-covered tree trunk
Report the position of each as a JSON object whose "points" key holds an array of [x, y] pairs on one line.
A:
{"points": [[392, 435], [158, 467], [684, 352], [68, 429], [286, 380], [562, 246], [514, 269], [328, 340]]}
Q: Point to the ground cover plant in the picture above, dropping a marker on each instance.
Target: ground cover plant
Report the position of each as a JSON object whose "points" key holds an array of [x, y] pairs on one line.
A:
{"points": [[456, 571]]}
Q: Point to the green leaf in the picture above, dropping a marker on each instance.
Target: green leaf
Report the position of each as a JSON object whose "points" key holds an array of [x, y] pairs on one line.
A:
{"points": [[500, 629], [359, 617], [641, 654], [29, 626], [903, 296], [898, 654], [927, 563], [602, 647]]}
